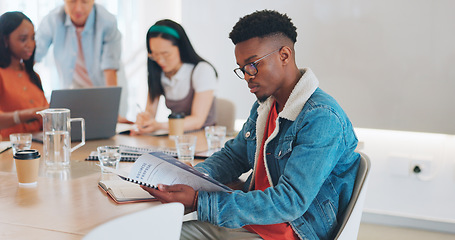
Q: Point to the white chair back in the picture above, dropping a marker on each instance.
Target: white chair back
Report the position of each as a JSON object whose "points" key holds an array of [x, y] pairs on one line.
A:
{"points": [[159, 222], [350, 221], [225, 114]]}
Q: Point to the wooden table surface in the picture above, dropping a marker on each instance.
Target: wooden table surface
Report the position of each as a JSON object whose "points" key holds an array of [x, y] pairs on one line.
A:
{"points": [[66, 204]]}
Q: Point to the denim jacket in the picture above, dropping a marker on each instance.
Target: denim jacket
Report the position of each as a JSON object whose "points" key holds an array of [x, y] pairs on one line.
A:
{"points": [[310, 163]]}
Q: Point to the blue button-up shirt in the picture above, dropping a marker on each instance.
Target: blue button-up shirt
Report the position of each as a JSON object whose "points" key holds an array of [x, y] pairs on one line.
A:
{"points": [[101, 44]]}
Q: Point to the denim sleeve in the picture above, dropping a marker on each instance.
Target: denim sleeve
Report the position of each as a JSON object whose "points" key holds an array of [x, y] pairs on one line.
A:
{"points": [[319, 141], [112, 47]]}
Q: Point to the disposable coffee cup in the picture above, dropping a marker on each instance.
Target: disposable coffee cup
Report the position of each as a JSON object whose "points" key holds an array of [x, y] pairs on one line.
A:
{"points": [[27, 166], [176, 124]]}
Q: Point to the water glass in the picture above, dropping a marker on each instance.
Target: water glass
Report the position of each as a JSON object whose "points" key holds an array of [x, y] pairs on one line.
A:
{"points": [[215, 137], [109, 156], [20, 141], [186, 145]]}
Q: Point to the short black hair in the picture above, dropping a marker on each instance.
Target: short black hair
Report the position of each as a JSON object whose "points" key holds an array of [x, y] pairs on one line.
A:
{"points": [[261, 24]]}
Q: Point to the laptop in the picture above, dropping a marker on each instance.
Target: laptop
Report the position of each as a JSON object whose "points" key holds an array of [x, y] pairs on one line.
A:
{"points": [[98, 106]]}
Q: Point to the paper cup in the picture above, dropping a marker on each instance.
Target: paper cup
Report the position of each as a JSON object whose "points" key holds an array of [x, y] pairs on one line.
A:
{"points": [[27, 166], [176, 121]]}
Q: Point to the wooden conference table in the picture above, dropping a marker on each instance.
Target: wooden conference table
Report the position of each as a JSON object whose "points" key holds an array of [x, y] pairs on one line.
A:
{"points": [[66, 204]]}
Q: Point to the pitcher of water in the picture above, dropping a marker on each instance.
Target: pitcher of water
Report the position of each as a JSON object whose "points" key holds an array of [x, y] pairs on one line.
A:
{"points": [[57, 139]]}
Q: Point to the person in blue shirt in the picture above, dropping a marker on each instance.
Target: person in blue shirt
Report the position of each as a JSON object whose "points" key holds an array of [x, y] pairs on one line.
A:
{"points": [[87, 44], [298, 143]]}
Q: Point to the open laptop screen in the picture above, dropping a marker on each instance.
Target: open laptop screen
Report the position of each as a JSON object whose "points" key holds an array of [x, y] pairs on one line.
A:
{"points": [[98, 106]]}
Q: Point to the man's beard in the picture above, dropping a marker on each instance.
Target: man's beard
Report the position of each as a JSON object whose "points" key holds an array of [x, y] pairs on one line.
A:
{"points": [[262, 99]]}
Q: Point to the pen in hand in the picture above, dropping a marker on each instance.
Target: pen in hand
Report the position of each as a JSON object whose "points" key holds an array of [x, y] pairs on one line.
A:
{"points": [[144, 121], [139, 118], [139, 107]]}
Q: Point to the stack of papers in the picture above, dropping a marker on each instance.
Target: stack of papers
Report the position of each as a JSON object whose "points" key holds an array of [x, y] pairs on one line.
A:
{"points": [[5, 145]]}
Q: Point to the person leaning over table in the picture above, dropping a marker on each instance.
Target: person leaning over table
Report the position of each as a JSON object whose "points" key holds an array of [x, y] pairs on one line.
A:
{"points": [[185, 79], [297, 139], [21, 93], [87, 44]]}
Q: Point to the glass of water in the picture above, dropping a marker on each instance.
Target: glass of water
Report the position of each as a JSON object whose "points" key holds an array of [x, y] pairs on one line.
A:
{"points": [[186, 145], [20, 141], [215, 137], [109, 156]]}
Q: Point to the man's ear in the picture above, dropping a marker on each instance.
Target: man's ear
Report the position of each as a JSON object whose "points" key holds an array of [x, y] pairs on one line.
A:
{"points": [[285, 55]]}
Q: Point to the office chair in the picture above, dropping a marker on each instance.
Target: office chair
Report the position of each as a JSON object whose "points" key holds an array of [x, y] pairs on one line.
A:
{"points": [[225, 114], [160, 222], [348, 227]]}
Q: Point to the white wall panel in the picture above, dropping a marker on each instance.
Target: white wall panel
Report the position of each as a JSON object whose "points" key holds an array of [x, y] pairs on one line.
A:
{"points": [[389, 63]]}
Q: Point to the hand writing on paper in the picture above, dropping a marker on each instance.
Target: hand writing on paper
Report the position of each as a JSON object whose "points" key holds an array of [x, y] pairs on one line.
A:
{"points": [[142, 118], [145, 126], [174, 193]]}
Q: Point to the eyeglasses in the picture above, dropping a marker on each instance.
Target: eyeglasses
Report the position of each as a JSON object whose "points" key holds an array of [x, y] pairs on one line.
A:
{"points": [[157, 56], [251, 68]]}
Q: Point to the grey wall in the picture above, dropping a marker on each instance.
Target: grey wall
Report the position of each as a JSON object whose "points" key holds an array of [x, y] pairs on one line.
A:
{"points": [[390, 64]]}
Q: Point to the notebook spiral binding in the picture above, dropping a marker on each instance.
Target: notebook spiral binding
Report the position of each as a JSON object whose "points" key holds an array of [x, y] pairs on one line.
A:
{"points": [[131, 154], [142, 150], [138, 182], [125, 157]]}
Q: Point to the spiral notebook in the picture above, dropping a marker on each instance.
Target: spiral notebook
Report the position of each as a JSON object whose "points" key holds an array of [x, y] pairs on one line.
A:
{"points": [[156, 168], [131, 154], [169, 151], [142, 150], [125, 157]]}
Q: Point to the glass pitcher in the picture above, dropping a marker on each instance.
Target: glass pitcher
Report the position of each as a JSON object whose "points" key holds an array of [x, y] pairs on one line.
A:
{"points": [[57, 140]]}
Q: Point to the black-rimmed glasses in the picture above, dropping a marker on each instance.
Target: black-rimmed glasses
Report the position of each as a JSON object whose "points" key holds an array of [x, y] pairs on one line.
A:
{"points": [[251, 68]]}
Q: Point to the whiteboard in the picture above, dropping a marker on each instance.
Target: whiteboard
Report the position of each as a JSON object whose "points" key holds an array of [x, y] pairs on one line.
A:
{"points": [[390, 64]]}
